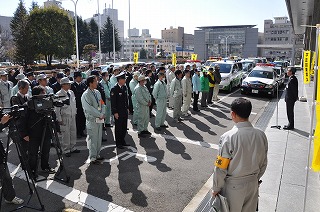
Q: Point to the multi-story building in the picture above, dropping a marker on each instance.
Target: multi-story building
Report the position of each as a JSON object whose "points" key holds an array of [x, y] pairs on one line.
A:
{"points": [[133, 32], [153, 46], [175, 35], [236, 40]]}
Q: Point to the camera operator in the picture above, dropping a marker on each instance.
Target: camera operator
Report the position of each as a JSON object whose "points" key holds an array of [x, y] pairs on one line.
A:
{"points": [[35, 127], [20, 99], [6, 181]]}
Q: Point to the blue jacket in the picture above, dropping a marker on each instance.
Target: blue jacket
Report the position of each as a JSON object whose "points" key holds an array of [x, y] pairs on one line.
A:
{"points": [[196, 85]]}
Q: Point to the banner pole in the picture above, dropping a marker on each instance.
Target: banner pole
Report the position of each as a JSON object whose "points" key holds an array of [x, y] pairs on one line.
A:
{"points": [[312, 114]]}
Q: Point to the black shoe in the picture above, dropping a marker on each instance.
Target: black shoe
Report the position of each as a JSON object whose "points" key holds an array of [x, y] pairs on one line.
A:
{"points": [[120, 147], [146, 132], [209, 103], [196, 110], [100, 158], [109, 125], [75, 151], [151, 115], [49, 170], [125, 145], [95, 162], [68, 154], [158, 128], [34, 175], [140, 134], [288, 128], [164, 126]]}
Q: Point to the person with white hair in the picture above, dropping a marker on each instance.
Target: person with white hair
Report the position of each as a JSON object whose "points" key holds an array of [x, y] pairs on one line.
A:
{"points": [[15, 88]]}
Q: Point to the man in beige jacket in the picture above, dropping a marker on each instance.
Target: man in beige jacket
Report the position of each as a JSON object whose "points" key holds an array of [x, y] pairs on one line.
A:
{"points": [[241, 161]]}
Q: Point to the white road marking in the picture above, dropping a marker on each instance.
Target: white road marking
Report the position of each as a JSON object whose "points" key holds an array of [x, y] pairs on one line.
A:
{"points": [[133, 153], [183, 140], [72, 194]]}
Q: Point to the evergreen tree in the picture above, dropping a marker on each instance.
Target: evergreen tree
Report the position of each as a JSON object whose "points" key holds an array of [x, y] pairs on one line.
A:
{"points": [[24, 51], [143, 54], [33, 5], [84, 36], [107, 38], [94, 32]]}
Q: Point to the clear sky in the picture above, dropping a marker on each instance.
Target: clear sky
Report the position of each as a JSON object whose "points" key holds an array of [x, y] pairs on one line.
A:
{"points": [[156, 15]]}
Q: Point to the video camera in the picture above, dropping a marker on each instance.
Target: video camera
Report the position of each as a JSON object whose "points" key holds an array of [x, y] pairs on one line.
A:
{"points": [[14, 111], [41, 103]]}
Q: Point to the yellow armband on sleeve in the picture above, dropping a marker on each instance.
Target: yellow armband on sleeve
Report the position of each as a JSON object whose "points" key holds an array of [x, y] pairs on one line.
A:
{"points": [[222, 162]]}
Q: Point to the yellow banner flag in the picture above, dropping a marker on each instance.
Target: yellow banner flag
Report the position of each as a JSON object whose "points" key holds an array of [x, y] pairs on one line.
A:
{"points": [[194, 56], [174, 59], [135, 57], [312, 63], [316, 141], [306, 67]]}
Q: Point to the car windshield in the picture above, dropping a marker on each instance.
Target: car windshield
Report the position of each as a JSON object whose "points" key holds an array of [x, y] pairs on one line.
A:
{"points": [[261, 74], [224, 68], [208, 63]]}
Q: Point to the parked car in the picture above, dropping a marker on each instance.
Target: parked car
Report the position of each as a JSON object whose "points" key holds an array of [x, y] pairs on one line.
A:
{"points": [[261, 80], [231, 74]]}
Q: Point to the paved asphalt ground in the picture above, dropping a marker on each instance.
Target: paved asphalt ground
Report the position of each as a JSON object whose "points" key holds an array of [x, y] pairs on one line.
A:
{"points": [[158, 173]]}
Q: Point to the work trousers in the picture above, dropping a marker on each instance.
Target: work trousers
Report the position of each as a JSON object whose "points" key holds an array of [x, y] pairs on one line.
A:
{"points": [[177, 104], [186, 104], [135, 111], [204, 97], [34, 145], [108, 111], [195, 100], [161, 112], [215, 92], [6, 183], [68, 133], [290, 112], [241, 194], [94, 139], [80, 121], [170, 98], [143, 117], [209, 100], [121, 129]]}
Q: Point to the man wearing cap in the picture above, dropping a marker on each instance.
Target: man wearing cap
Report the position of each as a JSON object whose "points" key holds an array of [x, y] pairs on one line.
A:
{"points": [[66, 117], [143, 98], [94, 110], [107, 88], [211, 85], [176, 93], [187, 92], [78, 88], [57, 86], [15, 88], [132, 85], [119, 109], [53, 78], [160, 94], [170, 78], [42, 81], [100, 88], [5, 89]]}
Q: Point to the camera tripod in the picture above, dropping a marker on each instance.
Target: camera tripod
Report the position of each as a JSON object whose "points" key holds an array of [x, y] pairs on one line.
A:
{"points": [[61, 174], [15, 136]]}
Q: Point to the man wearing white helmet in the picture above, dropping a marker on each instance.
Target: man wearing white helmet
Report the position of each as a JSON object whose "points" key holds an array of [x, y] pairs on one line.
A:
{"points": [[5, 88], [143, 98], [66, 116], [15, 88], [42, 80], [132, 85]]}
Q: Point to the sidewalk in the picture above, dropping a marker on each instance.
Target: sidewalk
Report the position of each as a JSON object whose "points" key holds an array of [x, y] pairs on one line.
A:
{"points": [[284, 182]]}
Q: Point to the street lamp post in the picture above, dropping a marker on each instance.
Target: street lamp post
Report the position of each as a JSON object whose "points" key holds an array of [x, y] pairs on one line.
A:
{"points": [[226, 39], [129, 35], [113, 37], [76, 20], [99, 29]]}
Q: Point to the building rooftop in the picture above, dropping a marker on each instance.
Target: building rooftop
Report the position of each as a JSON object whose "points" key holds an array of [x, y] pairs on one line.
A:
{"points": [[229, 26]]}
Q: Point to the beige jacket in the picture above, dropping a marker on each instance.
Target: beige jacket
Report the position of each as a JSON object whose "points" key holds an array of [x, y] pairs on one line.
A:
{"points": [[247, 148]]}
